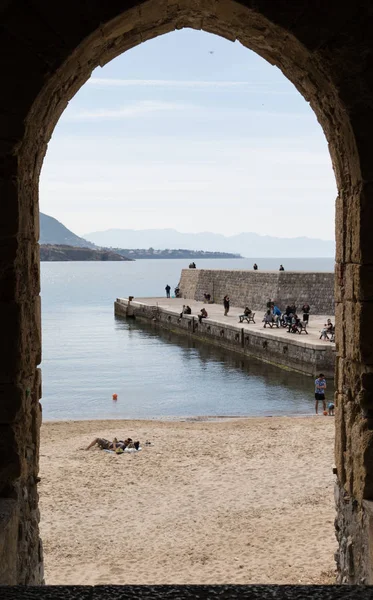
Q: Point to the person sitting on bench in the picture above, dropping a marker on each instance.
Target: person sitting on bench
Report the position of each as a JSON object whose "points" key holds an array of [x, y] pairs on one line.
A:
{"points": [[268, 318], [246, 313], [276, 314], [294, 324], [306, 312], [327, 330]]}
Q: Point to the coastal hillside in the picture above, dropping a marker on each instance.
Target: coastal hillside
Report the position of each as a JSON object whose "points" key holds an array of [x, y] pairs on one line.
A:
{"points": [[57, 238], [246, 244], [49, 252], [53, 232]]}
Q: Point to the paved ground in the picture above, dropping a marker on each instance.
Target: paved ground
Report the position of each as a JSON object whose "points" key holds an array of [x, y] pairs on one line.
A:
{"points": [[216, 313]]}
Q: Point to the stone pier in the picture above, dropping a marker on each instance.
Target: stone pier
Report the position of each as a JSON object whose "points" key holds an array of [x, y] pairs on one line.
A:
{"points": [[302, 353], [253, 288]]}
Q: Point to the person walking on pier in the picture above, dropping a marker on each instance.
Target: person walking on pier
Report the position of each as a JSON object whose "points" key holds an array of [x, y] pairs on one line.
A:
{"points": [[226, 305], [168, 289], [320, 387]]}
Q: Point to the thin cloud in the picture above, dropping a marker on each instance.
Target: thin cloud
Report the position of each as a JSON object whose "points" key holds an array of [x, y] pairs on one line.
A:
{"points": [[186, 84], [126, 112], [148, 107]]}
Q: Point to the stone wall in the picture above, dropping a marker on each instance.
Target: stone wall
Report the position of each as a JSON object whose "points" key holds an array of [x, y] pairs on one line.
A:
{"points": [[354, 531], [49, 51], [277, 350], [254, 288]]}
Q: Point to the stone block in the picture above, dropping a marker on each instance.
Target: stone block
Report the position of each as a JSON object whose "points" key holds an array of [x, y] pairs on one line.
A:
{"points": [[10, 460], [8, 269], [10, 217], [364, 332], [352, 329], [365, 289], [8, 541], [340, 438], [339, 231], [12, 401], [10, 349], [339, 330]]}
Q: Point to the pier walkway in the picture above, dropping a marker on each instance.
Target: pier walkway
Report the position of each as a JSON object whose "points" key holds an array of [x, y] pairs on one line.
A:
{"points": [[216, 314]]}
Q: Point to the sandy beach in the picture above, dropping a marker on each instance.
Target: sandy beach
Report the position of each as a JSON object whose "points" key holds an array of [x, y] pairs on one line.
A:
{"points": [[233, 501]]}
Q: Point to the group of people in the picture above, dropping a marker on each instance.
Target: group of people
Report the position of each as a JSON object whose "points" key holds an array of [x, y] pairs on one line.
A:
{"points": [[289, 318], [203, 314], [177, 291], [186, 310], [117, 446], [273, 316]]}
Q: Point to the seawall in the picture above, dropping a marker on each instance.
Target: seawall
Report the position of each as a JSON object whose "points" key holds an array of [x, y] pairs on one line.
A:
{"points": [[254, 288], [273, 346]]}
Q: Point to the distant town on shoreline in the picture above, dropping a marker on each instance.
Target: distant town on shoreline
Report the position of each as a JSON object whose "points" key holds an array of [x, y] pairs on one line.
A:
{"points": [[58, 243]]}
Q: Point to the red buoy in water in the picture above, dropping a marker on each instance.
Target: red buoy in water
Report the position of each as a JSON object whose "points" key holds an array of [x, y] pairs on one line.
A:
{"points": [[115, 397]]}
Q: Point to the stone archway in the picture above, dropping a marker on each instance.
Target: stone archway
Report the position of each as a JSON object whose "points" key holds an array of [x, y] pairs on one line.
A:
{"points": [[50, 50]]}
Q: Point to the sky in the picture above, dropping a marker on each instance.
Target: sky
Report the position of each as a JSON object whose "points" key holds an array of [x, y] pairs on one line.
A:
{"points": [[192, 132]]}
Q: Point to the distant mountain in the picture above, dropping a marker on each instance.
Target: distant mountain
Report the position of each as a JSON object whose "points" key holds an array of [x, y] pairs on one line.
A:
{"points": [[53, 232], [246, 244]]}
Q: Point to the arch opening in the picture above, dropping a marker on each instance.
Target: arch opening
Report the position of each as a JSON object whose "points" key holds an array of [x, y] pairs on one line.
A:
{"points": [[222, 335]]}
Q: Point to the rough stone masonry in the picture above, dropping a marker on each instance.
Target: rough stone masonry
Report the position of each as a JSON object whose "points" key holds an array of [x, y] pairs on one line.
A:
{"points": [[254, 288], [49, 50]]}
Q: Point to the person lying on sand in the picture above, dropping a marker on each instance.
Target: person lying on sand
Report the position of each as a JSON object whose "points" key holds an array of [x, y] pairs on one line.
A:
{"points": [[114, 445], [103, 444]]}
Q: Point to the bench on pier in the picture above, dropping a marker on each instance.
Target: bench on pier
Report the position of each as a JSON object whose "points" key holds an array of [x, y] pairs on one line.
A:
{"points": [[302, 327], [248, 318], [271, 321]]}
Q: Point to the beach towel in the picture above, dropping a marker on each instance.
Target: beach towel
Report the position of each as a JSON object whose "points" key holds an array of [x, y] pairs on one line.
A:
{"points": [[125, 450]]}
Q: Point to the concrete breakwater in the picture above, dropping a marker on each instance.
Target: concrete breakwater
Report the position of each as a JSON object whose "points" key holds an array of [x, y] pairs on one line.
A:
{"points": [[305, 354], [254, 288]]}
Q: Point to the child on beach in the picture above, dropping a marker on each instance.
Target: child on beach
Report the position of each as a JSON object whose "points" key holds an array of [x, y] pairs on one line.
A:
{"points": [[320, 387], [331, 409]]}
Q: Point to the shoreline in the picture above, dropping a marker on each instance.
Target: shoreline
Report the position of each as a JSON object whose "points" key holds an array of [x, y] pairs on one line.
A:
{"points": [[190, 419], [208, 502]]}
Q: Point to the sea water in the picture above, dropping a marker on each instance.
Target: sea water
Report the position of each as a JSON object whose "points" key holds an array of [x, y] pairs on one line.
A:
{"points": [[89, 354]]}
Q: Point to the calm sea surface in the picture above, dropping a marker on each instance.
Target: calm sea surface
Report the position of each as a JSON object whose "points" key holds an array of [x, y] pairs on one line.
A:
{"points": [[88, 354]]}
